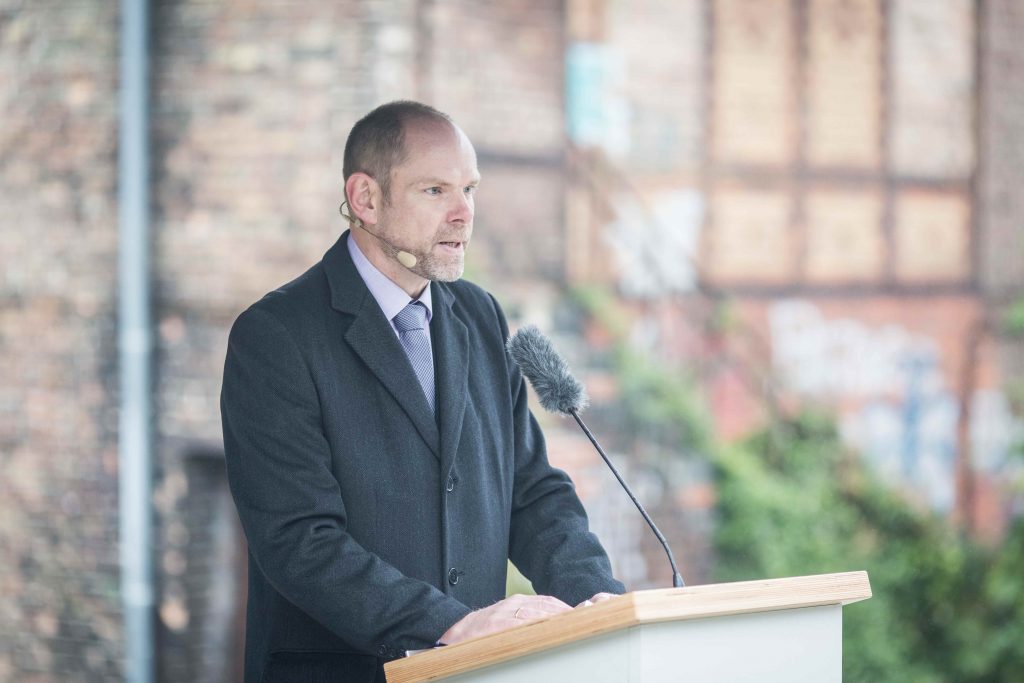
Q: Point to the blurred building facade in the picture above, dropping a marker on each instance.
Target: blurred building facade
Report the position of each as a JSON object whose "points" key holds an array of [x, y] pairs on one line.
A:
{"points": [[842, 171]]}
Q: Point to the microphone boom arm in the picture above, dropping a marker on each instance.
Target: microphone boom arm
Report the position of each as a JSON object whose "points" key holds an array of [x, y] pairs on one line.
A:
{"points": [[677, 578]]}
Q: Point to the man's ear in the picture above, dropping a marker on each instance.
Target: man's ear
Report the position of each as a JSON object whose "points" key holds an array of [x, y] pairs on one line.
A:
{"points": [[363, 194]]}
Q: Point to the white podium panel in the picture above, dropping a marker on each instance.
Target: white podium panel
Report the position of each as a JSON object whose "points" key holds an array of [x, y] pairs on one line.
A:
{"points": [[765, 631], [790, 646]]}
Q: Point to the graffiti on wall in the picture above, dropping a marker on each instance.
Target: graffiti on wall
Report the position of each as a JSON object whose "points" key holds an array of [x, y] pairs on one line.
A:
{"points": [[896, 405]]}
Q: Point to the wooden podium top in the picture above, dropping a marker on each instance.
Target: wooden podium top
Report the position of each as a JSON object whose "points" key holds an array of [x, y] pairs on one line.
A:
{"points": [[632, 609]]}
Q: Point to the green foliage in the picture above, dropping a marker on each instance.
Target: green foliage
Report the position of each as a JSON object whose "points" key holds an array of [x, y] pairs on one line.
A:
{"points": [[792, 502], [658, 406], [1015, 395], [662, 407], [600, 304], [1013, 320]]}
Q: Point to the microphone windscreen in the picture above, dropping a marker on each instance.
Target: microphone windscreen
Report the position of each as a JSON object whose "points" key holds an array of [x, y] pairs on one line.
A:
{"points": [[548, 373]]}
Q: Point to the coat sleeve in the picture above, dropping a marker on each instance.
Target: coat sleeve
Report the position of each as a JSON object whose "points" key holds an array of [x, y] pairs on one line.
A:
{"points": [[550, 540], [291, 507]]}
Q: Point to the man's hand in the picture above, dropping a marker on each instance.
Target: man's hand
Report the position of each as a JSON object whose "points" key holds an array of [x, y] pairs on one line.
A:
{"points": [[598, 597], [508, 613]]}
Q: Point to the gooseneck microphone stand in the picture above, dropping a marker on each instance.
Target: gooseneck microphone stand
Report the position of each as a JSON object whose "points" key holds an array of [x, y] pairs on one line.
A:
{"points": [[677, 578]]}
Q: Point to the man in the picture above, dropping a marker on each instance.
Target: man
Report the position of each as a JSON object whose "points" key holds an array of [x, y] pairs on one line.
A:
{"points": [[379, 446]]}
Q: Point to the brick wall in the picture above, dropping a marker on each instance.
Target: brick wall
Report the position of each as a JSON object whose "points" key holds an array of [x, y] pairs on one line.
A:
{"points": [[1000, 253], [251, 106], [1001, 171], [59, 606]]}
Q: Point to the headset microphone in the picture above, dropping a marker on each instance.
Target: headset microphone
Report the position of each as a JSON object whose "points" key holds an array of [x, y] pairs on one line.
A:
{"points": [[405, 258]]}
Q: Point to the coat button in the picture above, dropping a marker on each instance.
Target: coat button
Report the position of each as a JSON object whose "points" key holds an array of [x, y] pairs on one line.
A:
{"points": [[382, 651], [453, 575], [450, 486]]}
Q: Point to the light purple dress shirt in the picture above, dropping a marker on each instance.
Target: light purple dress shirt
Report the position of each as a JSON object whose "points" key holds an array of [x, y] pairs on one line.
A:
{"points": [[390, 297]]}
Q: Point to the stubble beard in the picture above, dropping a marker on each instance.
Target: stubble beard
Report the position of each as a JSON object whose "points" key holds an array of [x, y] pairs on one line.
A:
{"points": [[430, 266], [449, 267], [441, 269]]}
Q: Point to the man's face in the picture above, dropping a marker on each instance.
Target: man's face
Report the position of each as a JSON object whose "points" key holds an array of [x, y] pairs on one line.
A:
{"points": [[430, 212]]}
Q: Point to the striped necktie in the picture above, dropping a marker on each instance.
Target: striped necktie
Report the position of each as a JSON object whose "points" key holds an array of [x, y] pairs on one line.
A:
{"points": [[411, 323]]}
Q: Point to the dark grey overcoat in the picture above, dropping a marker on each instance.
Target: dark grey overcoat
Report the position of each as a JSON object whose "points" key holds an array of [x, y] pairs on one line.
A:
{"points": [[373, 527]]}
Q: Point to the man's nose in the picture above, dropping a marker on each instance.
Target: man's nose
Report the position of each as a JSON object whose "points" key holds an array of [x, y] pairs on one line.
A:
{"points": [[462, 211]]}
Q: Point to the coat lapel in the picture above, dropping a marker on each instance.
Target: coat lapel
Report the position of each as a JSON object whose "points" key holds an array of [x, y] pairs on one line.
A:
{"points": [[373, 339], [450, 340]]}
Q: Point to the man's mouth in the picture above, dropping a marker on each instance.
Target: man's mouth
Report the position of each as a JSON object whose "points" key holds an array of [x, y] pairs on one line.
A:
{"points": [[453, 245]]}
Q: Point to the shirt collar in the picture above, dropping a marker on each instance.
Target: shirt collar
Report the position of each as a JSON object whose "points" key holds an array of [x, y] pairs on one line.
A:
{"points": [[390, 297]]}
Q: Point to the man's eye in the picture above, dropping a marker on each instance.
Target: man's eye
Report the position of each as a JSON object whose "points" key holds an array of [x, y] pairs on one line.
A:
{"points": [[433, 190], [469, 189]]}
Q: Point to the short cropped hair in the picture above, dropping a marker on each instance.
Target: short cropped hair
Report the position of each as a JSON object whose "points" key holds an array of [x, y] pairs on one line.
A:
{"points": [[376, 144]]}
